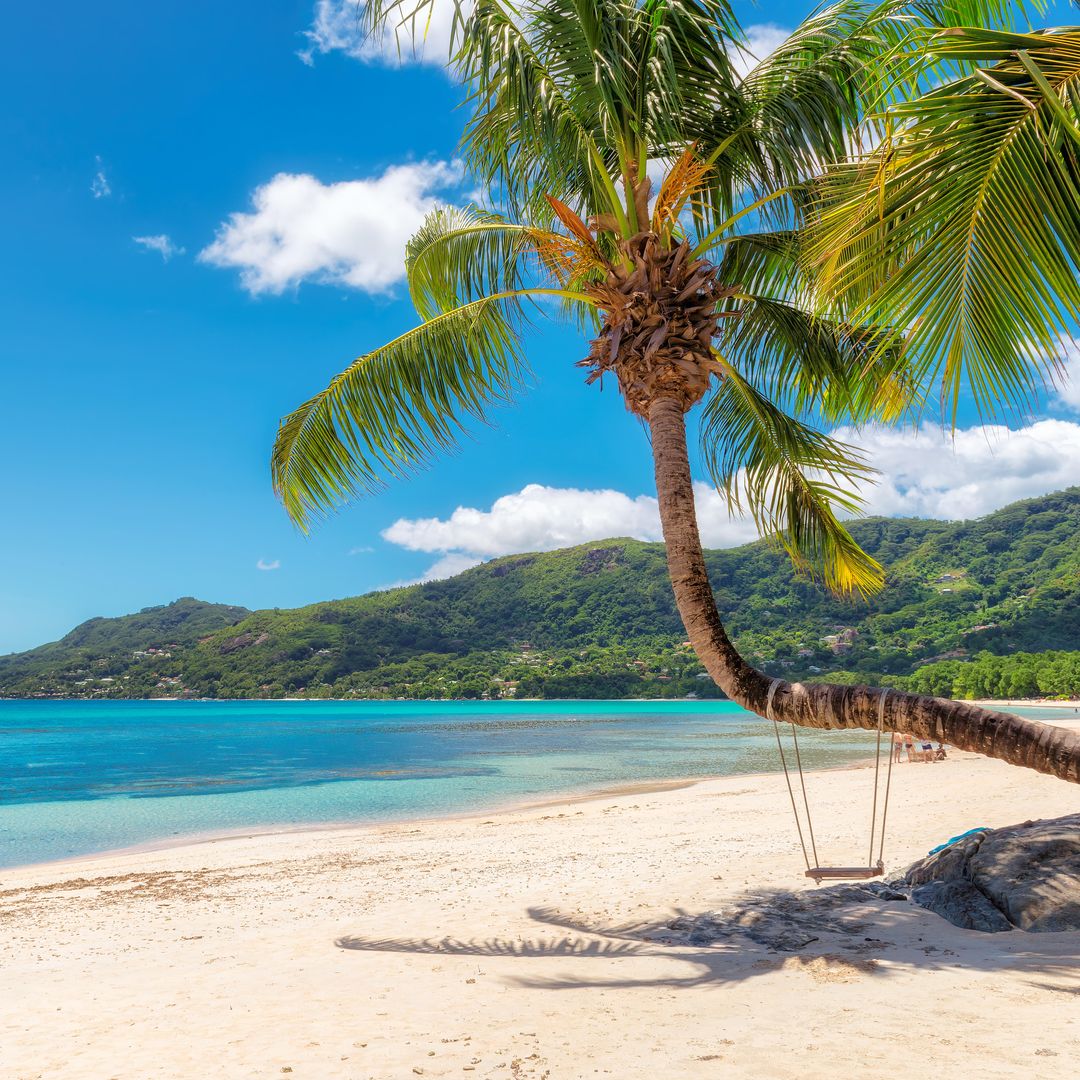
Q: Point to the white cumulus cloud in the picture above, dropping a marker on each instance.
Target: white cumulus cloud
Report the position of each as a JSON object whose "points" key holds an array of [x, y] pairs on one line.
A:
{"points": [[351, 233], [541, 518], [268, 564], [924, 473], [930, 473], [537, 518], [160, 243], [423, 38], [1068, 385]]}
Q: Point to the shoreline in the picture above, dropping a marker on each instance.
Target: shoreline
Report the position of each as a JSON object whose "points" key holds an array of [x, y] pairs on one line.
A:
{"points": [[198, 839], [1027, 703], [569, 797]]}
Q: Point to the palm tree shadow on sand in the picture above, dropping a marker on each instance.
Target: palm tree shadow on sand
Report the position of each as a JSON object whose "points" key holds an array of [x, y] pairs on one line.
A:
{"points": [[842, 933]]}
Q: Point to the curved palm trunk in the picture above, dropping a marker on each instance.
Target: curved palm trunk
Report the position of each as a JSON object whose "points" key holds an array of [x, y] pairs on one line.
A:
{"points": [[1020, 742]]}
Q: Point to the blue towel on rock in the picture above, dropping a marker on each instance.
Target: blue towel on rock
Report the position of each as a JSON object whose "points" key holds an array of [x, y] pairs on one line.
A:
{"points": [[953, 839]]}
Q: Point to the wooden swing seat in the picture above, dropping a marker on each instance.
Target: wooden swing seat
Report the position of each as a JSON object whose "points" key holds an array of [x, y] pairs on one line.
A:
{"points": [[841, 873]]}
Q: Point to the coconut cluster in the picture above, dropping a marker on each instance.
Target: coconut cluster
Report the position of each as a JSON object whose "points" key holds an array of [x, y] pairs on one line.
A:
{"points": [[660, 318]]}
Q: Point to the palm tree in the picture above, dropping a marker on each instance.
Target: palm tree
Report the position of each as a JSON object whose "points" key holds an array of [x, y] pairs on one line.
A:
{"points": [[696, 297]]}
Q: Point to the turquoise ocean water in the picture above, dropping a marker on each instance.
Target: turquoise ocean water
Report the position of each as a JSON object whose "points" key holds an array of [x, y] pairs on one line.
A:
{"points": [[78, 777]]}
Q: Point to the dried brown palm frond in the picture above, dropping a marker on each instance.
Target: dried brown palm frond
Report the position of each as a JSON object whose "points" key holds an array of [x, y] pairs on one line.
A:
{"points": [[685, 177], [566, 257], [571, 221]]}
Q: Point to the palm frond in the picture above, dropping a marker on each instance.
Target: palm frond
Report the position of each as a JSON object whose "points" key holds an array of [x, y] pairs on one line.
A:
{"points": [[762, 263], [806, 95], [534, 128], [685, 70], [965, 230], [807, 103], [461, 254], [392, 408], [680, 183], [810, 362], [790, 478], [574, 225]]}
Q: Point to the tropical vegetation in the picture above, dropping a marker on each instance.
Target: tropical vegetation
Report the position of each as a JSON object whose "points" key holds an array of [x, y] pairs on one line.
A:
{"points": [[969, 610], [1052, 674]]}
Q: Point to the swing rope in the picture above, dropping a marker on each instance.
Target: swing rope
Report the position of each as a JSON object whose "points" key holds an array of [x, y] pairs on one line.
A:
{"points": [[880, 866], [806, 801], [877, 772], [787, 776], [888, 779]]}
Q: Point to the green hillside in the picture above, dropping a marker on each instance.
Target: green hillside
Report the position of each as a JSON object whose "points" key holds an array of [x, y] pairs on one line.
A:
{"points": [[598, 621], [102, 648]]}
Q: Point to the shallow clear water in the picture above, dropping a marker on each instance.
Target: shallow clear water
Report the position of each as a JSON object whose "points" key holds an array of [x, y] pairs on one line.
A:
{"points": [[84, 776]]}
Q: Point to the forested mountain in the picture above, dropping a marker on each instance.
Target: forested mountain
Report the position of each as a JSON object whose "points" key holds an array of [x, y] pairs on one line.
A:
{"points": [[100, 647], [598, 620]]}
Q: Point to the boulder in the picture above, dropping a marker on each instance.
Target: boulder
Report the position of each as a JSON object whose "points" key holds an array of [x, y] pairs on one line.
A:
{"points": [[949, 863], [962, 904], [1025, 875], [1031, 872]]}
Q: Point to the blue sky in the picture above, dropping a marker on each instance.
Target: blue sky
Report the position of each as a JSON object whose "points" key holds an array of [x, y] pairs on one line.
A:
{"points": [[201, 227]]}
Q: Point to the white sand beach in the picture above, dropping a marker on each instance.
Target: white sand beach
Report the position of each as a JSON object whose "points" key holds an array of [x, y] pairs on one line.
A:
{"points": [[535, 943], [1071, 704]]}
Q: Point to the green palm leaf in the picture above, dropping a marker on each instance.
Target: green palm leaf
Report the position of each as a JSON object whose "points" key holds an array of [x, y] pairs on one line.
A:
{"points": [[531, 131], [819, 364], [463, 254], [789, 477], [806, 359], [799, 107], [392, 408], [965, 228]]}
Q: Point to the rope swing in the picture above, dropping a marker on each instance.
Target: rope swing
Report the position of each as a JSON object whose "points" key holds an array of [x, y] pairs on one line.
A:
{"points": [[814, 869]]}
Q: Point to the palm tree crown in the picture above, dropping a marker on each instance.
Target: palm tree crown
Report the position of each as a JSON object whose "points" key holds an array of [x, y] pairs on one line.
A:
{"points": [[693, 287]]}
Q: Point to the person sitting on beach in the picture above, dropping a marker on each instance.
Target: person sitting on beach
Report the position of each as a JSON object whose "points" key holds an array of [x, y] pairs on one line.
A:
{"points": [[917, 750], [939, 753]]}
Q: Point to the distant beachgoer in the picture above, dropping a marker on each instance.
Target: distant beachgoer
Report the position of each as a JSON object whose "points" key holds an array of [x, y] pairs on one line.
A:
{"points": [[897, 745], [909, 746], [939, 753]]}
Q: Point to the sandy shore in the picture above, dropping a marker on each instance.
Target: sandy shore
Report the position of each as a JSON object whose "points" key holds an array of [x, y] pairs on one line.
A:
{"points": [[537, 943], [1072, 704]]}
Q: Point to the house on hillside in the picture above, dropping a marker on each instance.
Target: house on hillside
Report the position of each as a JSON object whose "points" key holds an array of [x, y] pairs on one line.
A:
{"points": [[841, 641]]}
